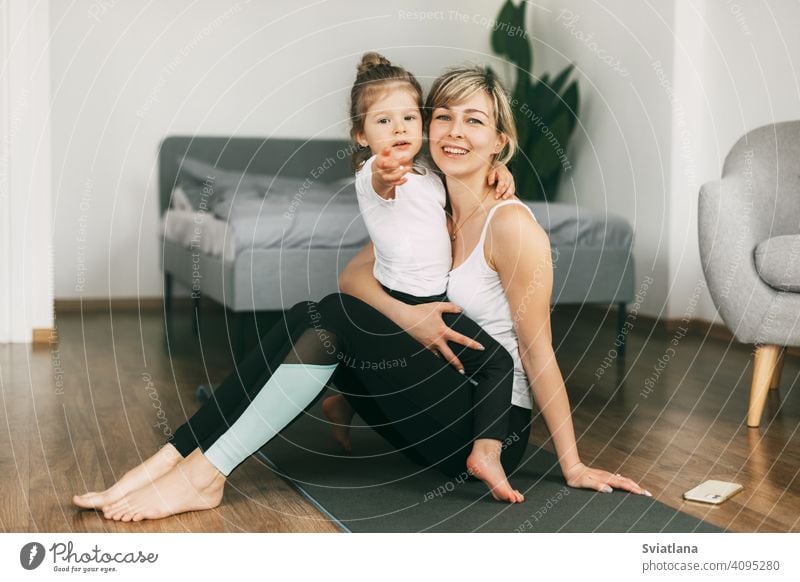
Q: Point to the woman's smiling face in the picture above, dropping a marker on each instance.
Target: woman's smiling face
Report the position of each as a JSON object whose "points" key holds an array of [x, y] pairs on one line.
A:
{"points": [[463, 136]]}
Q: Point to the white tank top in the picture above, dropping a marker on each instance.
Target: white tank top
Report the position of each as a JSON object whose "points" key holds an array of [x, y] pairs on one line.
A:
{"points": [[476, 288]]}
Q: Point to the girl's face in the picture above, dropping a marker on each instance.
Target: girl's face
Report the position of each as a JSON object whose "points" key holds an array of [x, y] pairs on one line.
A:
{"points": [[394, 121], [463, 137]]}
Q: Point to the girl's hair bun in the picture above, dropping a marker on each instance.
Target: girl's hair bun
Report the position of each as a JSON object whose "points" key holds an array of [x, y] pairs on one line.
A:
{"points": [[370, 60]]}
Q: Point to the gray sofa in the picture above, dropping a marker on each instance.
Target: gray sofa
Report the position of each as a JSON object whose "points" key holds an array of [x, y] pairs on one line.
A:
{"points": [[591, 250]]}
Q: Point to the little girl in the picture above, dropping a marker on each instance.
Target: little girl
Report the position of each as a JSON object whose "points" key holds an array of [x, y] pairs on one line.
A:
{"points": [[403, 206]]}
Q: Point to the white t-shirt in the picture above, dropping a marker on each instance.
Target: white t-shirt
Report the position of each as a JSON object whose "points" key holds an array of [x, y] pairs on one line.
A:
{"points": [[412, 247]]}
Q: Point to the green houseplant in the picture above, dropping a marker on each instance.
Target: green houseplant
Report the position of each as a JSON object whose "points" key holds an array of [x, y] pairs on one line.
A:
{"points": [[545, 110]]}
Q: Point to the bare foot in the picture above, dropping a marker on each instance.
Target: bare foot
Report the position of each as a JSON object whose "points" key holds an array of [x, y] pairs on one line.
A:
{"points": [[193, 485], [164, 460], [484, 463], [340, 413]]}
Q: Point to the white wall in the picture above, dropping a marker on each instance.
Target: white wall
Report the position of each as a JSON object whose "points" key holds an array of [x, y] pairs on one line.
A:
{"points": [[125, 75], [667, 88], [653, 134], [739, 74], [26, 283], [621, 149]]}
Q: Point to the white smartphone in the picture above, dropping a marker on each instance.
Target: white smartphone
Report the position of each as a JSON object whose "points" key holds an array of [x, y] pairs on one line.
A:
{"points": [[713, 492]]}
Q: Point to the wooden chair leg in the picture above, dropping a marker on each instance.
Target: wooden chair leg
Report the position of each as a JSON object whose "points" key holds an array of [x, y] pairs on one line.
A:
{"points": [[764, 366], [776, 375]]}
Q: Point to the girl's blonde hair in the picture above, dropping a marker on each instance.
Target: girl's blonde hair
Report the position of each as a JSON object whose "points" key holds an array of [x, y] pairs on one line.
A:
{"points": [[375, 74], [458, 84]]}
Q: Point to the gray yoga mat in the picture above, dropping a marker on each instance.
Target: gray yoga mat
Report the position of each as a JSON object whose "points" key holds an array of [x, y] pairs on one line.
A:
{"points": [[376, 489]]}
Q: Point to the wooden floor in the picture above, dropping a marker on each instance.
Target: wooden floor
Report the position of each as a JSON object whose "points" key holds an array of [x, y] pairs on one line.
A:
{"points": [[76, 415]]}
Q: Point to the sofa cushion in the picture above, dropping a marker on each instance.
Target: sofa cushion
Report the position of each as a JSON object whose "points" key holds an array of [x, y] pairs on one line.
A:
{"points": [[577, 226], [203, 182], [778, 262]]}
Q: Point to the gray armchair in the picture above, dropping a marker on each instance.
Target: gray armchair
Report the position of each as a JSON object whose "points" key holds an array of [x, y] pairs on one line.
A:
{"points": [[749, 228]]}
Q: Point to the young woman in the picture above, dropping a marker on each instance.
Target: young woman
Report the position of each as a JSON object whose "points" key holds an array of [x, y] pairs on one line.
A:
{"points": [[502, 279], [402, 202], [502, 271]]}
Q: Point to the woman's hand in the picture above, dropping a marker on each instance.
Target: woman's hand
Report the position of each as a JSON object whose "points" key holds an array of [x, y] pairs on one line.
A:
{"points": [[583, 477], [505, 182], [425, 324]]}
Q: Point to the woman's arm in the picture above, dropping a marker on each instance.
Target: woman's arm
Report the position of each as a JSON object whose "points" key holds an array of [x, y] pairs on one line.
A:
{"points": [[519, 251], [422, 322], [357, 280]]}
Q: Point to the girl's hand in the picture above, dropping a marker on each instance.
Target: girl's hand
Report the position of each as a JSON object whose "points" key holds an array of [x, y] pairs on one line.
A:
{"points": [[505, 182], [583, 477], [388, 171], [425, 324]]}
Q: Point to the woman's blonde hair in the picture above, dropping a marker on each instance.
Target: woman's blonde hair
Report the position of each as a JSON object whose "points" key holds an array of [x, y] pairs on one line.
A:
{"points": [[458, 84], [375, 74]]}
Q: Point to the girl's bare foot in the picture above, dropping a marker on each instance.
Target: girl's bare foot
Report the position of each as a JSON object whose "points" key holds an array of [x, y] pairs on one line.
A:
{"points": [[164, 460], [193, 485], [340, 413], [484, 463]]}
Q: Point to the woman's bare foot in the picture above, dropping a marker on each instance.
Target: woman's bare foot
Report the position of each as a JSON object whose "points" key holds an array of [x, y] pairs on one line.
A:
{"points": [[153, 468], [340, 413], [193, 485], [484, 463]]}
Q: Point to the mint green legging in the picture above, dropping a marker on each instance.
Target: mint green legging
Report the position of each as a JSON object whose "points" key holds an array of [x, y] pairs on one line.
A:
{"points": [[288, 392]]}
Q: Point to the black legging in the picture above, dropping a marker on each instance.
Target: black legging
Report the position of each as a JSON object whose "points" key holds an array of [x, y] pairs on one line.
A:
{"points": [[491, 370], [423, 406]]}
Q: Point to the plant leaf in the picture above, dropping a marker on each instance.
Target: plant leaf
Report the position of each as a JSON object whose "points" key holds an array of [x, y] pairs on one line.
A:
{"points": [[542, 99], [561, 79], [499, 39], [549, 152], [518, 45], [571, 98], [523, 32], [538, 105]]}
